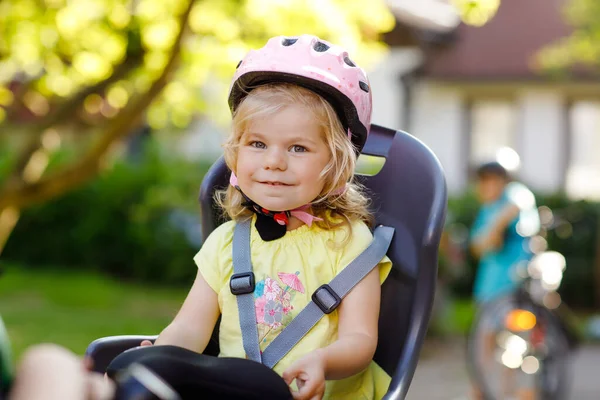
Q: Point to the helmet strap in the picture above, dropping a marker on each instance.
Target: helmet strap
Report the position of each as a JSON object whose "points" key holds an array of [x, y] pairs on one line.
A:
{"points": [[272, 225]]}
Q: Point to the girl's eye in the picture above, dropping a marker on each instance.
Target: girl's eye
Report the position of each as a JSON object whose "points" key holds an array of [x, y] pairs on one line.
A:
{"points": [[298, 149], [258, 145]]}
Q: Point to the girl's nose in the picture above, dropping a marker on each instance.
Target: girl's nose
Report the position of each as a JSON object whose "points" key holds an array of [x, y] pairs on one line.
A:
{"points": [[275, 159]]}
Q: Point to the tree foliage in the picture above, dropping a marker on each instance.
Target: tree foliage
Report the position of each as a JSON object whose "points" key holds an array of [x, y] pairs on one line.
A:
{"points": [[87, 73], [476, 12], [105, 66], [580, 51]]}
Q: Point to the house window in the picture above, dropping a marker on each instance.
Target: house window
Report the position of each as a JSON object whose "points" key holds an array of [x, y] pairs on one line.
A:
{"points": [[493, 125], [583, 172]]}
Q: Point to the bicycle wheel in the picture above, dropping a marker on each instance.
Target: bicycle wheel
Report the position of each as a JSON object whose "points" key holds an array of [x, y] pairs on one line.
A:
{"points": [[553, 379], [515, 350]]}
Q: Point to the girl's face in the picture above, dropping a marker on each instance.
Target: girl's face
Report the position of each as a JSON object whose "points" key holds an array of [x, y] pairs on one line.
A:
{"points": [[280, 159]]}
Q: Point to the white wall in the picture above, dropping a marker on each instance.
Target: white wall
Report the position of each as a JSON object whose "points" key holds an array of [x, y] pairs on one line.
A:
{"points": [[541, 137], [437, 120], [387, 91]]}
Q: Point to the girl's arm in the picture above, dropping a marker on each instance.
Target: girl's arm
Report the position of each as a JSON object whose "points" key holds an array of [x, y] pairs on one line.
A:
{"points": [[357, 330], [354, 349], [195, 321]]}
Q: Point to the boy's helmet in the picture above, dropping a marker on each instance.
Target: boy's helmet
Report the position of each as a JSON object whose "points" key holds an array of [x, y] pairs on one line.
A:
{"points": [[317, 65]]}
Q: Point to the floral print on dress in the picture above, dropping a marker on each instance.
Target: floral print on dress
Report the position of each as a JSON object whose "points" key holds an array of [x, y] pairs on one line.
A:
{"points": [[273, 303]]}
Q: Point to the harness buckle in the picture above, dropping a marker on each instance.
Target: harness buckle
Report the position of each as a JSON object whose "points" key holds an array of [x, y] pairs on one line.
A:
{"points": [[326, 299], [242, 283]]}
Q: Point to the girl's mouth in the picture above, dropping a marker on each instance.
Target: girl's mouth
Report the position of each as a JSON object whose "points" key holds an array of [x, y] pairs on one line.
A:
{"points": [[274, 183]]}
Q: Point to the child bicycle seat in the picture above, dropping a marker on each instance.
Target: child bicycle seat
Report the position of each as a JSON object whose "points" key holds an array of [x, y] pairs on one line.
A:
{"points": [[207, 377], [409, 195]]}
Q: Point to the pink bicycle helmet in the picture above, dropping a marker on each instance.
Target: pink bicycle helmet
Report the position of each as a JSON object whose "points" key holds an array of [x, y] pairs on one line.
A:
{"points": [[317, 65]]}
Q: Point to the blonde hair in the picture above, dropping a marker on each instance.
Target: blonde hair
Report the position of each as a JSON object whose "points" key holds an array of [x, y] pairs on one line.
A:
{"points": [[335, 207]]}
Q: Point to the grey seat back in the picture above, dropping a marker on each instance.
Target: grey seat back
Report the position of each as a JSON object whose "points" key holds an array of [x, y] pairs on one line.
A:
{"points": [[409, 194]]}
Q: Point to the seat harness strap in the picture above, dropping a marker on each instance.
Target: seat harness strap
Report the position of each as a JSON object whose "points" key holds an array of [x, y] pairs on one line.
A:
{"points": [[324, 300]]}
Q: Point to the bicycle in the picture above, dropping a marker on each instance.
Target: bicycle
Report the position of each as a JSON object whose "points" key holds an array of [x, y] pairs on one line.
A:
{"points": [[532, 342]]}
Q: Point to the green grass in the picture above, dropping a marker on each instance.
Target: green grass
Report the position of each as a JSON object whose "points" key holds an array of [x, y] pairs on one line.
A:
{"points": [[454, 319], [74, 308], [463, 314]]}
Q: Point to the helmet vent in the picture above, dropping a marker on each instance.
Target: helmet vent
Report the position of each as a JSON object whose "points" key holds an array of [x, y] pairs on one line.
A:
{"points": [[320, 47], [363, 86], [289, 41], [238, 65], [348, 61]]}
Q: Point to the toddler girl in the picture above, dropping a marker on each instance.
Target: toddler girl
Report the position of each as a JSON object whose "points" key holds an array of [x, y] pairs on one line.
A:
{"points": [[301, 115]]}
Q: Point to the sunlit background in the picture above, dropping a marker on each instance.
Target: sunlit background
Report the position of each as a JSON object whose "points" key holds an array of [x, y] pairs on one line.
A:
{"points": [[111, 111]]}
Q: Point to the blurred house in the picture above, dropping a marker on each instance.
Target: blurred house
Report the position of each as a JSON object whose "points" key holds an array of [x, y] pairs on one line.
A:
{"points": [[470, 91]]}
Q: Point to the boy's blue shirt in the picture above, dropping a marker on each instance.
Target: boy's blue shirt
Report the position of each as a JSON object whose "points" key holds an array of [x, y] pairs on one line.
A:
{"points": [[496, 271]]}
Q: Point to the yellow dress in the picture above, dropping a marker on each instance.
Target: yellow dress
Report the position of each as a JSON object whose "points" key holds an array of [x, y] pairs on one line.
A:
{"points": [[287, 271]]}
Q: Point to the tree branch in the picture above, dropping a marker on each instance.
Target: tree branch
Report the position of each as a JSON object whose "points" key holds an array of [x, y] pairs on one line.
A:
{"points": [[17, 103], [54, 117], [60, 182]]}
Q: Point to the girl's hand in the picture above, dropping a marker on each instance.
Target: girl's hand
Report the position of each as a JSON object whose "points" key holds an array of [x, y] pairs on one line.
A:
{"points": [[309, 372], [145, 343]]}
